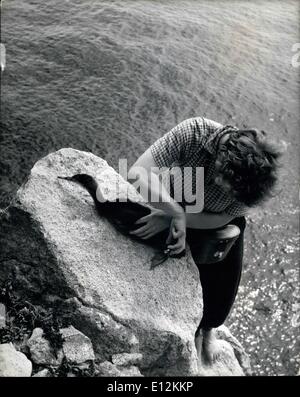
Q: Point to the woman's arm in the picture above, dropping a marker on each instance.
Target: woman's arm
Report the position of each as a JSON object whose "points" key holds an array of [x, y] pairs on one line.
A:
{"points": [[145, 172], [151, 185]]}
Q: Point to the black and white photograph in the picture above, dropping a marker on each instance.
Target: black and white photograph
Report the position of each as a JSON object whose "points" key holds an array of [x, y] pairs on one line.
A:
{"points": [[149, 191]]}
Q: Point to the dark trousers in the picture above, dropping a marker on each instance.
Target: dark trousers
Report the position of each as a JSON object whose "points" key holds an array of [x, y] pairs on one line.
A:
{"points": [[219, 280]]}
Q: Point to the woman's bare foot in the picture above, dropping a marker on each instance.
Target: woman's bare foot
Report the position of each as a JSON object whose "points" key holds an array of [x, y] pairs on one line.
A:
{"points": [[212, 348], [209, 348]]}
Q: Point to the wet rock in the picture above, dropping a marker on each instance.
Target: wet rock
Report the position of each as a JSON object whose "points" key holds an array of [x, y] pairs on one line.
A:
{"points": [[126, 359], [77, 347], [13, 363], [41, 351]]}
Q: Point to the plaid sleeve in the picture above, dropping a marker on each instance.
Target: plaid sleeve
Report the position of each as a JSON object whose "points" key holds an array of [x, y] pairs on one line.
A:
{"points": [[177, 145], [237, 209]]}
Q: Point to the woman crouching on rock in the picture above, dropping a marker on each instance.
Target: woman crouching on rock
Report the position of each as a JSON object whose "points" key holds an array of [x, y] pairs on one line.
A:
{"points": [[240, 171]]}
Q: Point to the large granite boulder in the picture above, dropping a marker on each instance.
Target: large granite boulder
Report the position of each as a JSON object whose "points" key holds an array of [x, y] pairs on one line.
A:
{"points": [[59, 249]]}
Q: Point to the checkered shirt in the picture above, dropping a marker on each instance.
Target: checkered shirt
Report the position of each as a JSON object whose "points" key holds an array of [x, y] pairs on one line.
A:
{"points": [[193, 143]]}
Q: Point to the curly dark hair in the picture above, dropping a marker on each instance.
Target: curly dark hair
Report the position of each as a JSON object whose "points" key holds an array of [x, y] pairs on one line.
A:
{"points": [[249, 163]]}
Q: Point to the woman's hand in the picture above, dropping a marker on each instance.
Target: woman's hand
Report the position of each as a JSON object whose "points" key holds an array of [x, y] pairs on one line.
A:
{"points": [[177, 233], [153, 223]]}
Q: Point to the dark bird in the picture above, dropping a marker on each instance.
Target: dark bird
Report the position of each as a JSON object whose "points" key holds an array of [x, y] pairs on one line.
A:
{"points": [[123, 215]]}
